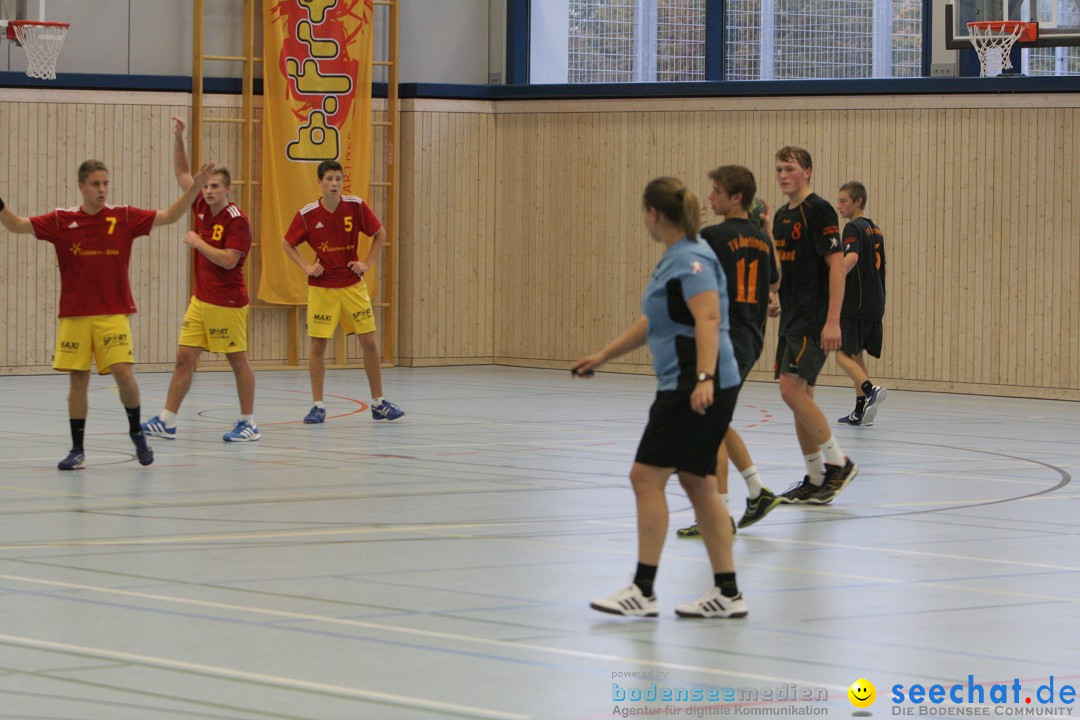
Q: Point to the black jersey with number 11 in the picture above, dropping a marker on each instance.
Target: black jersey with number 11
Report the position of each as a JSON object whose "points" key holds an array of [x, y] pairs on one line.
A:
{"points": [[747, 257]]}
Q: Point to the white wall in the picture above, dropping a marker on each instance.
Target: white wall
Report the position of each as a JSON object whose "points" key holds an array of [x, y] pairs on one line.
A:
{"points": [[441, 41], [444, 41]]}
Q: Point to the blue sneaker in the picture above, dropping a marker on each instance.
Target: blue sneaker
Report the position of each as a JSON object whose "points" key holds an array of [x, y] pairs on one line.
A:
{"points": [[315, 416], [143, 451], [855, 418], [76, 460], [243, 432], [873, 401], [155, 427], [386, 410]]}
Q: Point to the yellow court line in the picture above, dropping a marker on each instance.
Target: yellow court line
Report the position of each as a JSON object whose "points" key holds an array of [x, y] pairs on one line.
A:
{"points": [[428, 634], [261, 679]]}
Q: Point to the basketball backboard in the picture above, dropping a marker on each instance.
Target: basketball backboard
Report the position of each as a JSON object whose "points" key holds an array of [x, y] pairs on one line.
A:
{"points": [[1059, 20]]}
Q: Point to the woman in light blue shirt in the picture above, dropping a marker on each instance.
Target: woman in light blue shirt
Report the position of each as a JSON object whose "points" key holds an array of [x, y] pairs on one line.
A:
{"points": [[684, 321]]}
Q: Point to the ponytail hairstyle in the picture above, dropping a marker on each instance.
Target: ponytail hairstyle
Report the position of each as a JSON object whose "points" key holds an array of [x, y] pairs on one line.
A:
{"points": [[676, 202]]}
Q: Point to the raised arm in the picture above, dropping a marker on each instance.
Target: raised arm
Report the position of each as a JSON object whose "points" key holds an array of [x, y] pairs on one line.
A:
{"points": [[15, 224], [181, 166], [179, 208]]}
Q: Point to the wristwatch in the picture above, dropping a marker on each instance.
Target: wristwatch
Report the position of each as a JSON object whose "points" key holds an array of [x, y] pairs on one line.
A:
{"points": [[705, 377]]}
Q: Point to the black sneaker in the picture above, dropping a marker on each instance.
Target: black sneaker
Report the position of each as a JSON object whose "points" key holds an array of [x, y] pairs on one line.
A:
{"points": [[802, 493], [143, 451], [836, 479], [758, 508]]}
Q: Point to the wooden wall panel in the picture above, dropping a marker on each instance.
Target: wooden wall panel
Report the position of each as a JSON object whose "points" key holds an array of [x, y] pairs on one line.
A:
{"points": [[972, 194], [520, 237], [450, 191]]}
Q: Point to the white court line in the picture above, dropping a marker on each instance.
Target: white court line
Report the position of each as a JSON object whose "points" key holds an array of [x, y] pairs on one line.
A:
{"points": [[430, 634], [262, 679], [923, 553]]}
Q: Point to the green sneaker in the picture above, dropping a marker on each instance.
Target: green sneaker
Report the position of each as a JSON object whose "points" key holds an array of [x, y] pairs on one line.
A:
{"points": [[758, 508], [693, 531]]}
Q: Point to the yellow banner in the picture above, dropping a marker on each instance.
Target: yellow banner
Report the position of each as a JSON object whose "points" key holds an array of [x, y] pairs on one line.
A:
{"points": [[316, 106]]}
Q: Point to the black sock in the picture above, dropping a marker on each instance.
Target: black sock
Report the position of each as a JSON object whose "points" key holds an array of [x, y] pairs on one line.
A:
{"points": [[78, 430], [726, 583], [867, 387], [134, 426], [644, 578], [860, 404]]}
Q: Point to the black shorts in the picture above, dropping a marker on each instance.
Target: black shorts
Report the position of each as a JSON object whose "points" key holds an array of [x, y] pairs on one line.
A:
{"points": [[859, 335], [799, 355], [747, 352], [678, 437]]}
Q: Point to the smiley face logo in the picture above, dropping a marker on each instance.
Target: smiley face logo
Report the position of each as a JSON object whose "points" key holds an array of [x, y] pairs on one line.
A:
{"points": [[862, 693]]}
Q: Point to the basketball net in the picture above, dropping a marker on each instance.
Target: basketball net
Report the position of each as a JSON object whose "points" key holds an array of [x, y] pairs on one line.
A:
{"points": [[42, 43], [993, 47]]}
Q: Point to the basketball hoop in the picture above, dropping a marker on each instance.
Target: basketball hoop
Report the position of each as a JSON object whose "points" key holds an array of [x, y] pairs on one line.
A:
{"points": [[42, 42], [993, 40]]}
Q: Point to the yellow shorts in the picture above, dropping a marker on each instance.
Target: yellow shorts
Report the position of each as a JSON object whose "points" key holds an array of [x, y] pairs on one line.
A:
{"points": [[215, 328], [350, 306], [106, 337]]}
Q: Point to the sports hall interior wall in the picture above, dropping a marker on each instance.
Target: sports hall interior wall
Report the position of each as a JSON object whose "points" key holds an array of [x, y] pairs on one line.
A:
{"points": [[520, 236], [973, 192]]}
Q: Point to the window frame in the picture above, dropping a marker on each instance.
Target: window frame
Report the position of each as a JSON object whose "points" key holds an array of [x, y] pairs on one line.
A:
{"points": [[518, 29]]}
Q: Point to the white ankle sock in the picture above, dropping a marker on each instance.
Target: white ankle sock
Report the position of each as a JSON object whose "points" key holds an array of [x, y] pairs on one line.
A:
{"points": [[815, 467], [169, 418], [832, 452], [753, 481]]}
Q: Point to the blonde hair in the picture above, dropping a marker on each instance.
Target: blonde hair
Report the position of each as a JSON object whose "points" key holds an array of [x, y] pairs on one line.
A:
{"points": [[675, 201]]}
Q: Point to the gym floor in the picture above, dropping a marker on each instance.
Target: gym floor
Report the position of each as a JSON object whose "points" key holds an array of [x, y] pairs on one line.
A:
{"points": [[441, 565]]}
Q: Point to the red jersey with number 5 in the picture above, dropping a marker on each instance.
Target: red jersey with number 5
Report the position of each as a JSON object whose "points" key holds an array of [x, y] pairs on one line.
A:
{"points": [[94, 252], [228, 229], [334, 236]]}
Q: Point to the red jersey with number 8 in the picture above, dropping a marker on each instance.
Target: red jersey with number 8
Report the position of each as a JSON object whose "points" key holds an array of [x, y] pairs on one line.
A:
{"points": [[94, 252], [229, 229]]}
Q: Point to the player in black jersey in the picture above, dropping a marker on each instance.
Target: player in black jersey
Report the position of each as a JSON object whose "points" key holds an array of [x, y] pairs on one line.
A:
{"points": [[749, 261], [807, 240], [864, 301]]}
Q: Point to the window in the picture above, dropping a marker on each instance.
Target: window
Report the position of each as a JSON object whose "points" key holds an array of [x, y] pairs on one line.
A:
{"points": [[664, 40]]}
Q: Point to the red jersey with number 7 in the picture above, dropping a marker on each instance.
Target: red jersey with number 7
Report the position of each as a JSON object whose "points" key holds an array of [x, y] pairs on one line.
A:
{"points": [[94, 252], [229, 229], [334, 236]]}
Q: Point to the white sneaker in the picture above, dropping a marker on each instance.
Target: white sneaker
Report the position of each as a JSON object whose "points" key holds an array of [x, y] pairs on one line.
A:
{"points": [[713, 604], [629, 601]]}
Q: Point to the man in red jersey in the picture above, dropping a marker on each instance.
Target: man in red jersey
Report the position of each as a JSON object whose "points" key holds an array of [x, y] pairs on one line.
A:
{"points": [[337, 292], [216, 318], [93, 249]]}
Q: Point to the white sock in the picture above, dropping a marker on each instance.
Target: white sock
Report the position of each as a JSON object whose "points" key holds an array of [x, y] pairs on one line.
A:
{"points": [[320, 404], [815, 467], [169, 418], [376, 401], [250, 419], [753, 481], [833, 454], [723, 499]]}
